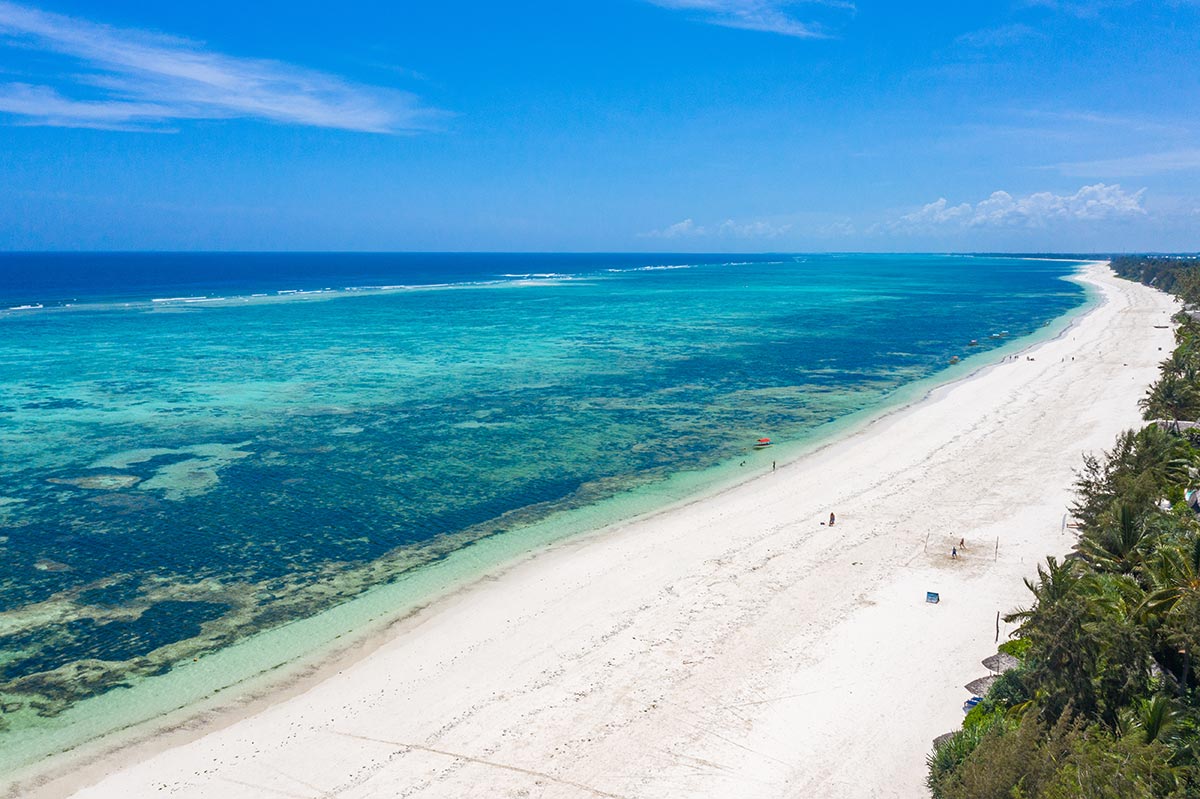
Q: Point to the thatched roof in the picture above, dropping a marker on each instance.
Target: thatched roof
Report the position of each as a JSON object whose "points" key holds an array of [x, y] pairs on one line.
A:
{"points": [[1001, 662], [941, 739], [980, 687]]}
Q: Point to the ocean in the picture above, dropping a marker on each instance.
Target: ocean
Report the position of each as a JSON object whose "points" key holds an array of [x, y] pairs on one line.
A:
{"points": [[216, 463]]}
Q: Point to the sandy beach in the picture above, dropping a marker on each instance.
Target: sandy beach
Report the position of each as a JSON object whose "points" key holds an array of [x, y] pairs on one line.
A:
{"points": [[734, 646]]}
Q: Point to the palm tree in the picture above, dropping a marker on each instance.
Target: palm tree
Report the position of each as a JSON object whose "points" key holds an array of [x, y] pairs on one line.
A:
{"points": [[1172, 398], [1175, 576], [1141, 469], [1118, 542], [1055, 583], [1153, 717], [1174, 605], [1089, 652], [1059, 647]]}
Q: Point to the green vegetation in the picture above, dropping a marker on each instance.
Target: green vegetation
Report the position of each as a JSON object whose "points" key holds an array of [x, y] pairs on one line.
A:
{"points": [[1106, 701]]}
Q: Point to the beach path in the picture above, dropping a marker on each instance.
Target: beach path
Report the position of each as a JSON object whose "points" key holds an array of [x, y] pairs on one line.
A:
{"points": [[731, 646]]}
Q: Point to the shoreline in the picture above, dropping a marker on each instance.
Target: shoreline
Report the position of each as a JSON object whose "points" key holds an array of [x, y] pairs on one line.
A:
{"points": [[316, 676]]}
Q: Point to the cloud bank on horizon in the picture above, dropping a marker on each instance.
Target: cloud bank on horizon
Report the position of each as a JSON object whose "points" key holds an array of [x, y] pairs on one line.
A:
{"points": [[138, 80], [1041, 209], [1000, 210]]}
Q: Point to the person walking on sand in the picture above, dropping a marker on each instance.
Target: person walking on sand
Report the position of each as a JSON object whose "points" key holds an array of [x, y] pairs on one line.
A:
{"points": [[954, 552], [832, 518]]}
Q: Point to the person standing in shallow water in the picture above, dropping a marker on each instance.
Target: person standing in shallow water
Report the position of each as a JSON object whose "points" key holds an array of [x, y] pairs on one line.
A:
{"points": [[832, 518]]}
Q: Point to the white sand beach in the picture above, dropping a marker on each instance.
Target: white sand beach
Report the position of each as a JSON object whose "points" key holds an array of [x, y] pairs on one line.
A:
{"points": [[730, 647]]}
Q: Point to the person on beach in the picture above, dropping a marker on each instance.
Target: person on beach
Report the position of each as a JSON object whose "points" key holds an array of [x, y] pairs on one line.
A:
{"points": [[962, 543], [832, 518], [954, 552]]}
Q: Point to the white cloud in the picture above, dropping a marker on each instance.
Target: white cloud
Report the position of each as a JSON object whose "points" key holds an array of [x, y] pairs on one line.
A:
{"points": [[1134, 166], [1084, 9], [730, 228], [771, 16], [138, 79], [1002, 36], [679, 230], [1003, 210], [758, 229]]}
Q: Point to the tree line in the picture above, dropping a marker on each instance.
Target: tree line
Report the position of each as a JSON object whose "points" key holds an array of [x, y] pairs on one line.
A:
{"points": [[1105, 701]]}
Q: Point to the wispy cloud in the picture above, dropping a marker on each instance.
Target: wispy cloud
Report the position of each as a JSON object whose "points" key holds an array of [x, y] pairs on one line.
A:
{"points": [[1084, 9], [1148, 124], [1094, 9], [1002, 36], [1002, 210], [688, 229], [136, 79], [771, 16], [1135, 165]]}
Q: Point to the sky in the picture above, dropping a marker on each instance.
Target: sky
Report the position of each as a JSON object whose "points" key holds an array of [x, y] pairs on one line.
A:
{"points": [[601, 125]]}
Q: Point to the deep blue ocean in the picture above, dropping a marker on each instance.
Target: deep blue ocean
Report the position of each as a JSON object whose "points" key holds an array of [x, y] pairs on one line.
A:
{"points": [[197, 448]]}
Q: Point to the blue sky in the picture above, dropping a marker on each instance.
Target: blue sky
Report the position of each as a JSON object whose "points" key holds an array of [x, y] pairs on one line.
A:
{"points": [[664, 125]]}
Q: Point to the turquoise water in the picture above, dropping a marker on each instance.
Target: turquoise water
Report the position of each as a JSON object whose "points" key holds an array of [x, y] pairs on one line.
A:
{"points": [[180, 478]]}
